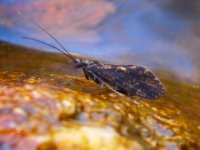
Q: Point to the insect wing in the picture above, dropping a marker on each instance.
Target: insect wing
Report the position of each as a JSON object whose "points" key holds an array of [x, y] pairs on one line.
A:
{"points": [[130, 80]]}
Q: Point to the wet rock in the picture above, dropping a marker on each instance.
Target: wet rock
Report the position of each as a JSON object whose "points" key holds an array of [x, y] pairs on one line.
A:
{"points": [[44, 109]]}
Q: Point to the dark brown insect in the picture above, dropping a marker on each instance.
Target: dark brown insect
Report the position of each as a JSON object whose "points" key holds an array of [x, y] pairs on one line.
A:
{"points": [[130, 80]]}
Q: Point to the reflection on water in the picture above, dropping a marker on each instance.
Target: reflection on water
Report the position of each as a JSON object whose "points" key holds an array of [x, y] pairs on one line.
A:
{"points": [[160, 34]]}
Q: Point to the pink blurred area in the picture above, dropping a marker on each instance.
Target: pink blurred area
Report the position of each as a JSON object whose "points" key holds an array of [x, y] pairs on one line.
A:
{"points": [[66, 18]]}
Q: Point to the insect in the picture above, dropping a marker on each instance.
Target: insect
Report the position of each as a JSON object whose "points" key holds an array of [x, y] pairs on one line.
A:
{"points": [[130, 80]]}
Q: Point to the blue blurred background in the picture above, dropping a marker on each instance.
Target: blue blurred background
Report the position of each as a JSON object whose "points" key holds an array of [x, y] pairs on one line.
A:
{"points": [[162, 34]]}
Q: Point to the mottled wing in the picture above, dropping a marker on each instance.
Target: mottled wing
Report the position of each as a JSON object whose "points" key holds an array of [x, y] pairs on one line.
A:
{"points": [[130, 80]]}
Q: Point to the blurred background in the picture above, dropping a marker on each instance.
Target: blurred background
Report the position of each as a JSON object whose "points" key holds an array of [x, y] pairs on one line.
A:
{"points": [[161, 34]]}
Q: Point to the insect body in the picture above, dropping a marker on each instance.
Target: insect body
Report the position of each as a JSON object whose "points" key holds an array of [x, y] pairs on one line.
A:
{"points": [[130, 80]]}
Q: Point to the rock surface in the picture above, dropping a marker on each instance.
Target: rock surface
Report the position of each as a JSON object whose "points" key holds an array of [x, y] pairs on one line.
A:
{"points": [[45, 106]]}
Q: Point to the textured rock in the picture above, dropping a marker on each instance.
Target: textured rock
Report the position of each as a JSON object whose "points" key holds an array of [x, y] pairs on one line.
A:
{"points": [[43, 106]]}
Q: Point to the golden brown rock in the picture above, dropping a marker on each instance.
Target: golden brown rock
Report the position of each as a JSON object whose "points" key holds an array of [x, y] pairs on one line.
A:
{"points": [[44, 107]]}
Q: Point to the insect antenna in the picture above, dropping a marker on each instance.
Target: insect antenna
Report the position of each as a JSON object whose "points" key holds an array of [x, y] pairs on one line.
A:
{"points": [[45, 43], [40, 27]]}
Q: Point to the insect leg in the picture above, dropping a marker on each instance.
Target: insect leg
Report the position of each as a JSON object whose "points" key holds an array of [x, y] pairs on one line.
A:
{"points": [[86, 73], [102, 82], [94, 78], [120, 90], [102, 85]]}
